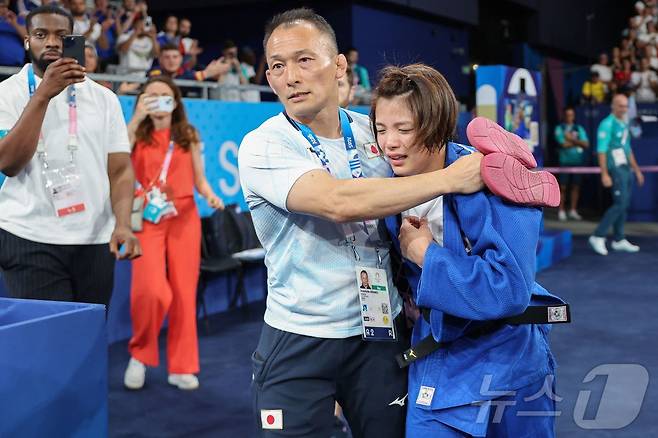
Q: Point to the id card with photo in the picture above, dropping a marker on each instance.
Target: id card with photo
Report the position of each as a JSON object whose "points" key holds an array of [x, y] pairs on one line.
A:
{"points": [[64, 187], [375, 302]]}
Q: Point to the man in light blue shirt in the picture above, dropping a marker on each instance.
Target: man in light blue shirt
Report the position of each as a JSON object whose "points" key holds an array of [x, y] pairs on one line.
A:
{"points": [[618, 166]]}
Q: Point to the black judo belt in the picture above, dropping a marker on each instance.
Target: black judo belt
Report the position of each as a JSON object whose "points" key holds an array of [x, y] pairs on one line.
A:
{"points": [[559, 314]]}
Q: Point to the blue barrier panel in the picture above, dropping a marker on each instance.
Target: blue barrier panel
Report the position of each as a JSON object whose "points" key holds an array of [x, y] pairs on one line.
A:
{"points": [[53, 357]]}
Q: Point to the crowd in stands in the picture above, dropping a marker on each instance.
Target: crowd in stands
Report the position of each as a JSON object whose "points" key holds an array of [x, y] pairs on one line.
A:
{"points": [[122, 39], [631, 66]]}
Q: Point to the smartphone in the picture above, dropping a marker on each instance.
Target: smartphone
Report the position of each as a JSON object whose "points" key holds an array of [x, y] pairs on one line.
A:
{"points": [[74, 47], [164, 104], [148, 22]]}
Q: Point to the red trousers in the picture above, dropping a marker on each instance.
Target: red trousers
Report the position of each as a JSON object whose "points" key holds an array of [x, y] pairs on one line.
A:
{"points": [[164, 282]]}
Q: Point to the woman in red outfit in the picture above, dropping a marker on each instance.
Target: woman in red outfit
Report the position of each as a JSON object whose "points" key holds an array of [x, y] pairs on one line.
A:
{"points": [[167, 160]]}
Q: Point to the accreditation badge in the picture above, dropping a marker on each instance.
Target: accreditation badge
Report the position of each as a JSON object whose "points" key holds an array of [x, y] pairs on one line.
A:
{"points": [[619, 157], [375, 301], [64, 187]]}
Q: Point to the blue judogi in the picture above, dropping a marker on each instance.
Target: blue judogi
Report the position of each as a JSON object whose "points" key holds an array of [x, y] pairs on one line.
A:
{"points": [[496, 280]]}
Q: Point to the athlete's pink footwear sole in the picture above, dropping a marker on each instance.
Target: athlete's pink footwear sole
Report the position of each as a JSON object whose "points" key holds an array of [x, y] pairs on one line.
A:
{"points": [[488, 137], [506, 177]]}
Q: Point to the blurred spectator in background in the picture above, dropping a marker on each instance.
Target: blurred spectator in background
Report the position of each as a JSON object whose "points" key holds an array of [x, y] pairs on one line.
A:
{"points": [[623, 76], [83, 23], [110, 31], [618, 166], [603, 69], [169, 33], [360, 72], [233, 77], [189, 46], [91, 58], [12, 34], [130, 12], [138, 47], [247, 64], [170, 63], [25, 6], [346, 88], [572, 140], [645, 83], [594, 91]]}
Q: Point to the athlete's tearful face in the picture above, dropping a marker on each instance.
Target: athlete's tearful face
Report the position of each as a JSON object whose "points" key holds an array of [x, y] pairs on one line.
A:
{"points": [[303, 69], [396, 135]]}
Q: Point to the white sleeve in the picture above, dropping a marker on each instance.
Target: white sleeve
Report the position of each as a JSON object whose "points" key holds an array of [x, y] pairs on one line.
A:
{"points": [[270, 167], [95, 33], [8, 114], [118, 132]]}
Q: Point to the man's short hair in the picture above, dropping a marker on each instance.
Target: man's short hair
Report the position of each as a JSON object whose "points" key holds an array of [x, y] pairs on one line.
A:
{"points": [[169, 46], [47, 9], [229, 44], [297, 16]]}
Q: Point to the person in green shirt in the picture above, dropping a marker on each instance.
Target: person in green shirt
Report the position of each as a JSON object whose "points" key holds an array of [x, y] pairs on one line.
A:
{"points": [[573, 141], [618, 166]]}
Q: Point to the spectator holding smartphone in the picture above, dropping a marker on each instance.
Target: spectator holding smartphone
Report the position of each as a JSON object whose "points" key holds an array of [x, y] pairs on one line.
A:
{"points": [[168, 166], [138, 47]]}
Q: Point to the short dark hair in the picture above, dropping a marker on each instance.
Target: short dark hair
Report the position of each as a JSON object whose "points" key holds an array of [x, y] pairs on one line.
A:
{"points": [[169, 46], [229, 44], [295, 16], [430, 98], [47, 9]]}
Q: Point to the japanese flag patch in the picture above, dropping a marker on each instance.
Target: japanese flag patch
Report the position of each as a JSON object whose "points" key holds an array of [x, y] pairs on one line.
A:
{"points": [[271, 418], [372, 150]]}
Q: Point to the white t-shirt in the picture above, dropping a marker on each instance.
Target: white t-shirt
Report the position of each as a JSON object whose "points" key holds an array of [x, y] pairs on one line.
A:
{"points": [[643, 80], [433, 211], [312, 287], [139, 56], [227, 94], [249, 95], [80, 27], [604, 71], [25, 208]]}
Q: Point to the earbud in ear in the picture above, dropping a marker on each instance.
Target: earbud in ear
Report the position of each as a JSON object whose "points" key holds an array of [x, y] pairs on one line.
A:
{"points": [[27, 45]]}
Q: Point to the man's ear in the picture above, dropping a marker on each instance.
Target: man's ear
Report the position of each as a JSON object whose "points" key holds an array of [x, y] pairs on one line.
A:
{"points": [[341, 66], [267, 76]]}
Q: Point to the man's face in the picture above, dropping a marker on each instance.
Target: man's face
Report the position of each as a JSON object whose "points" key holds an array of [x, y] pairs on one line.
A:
{"points": [[170, 61], [184, 28], [128, 5], [45, 38], [230, 53], [101, 4], [644, 64], [353, 57], [569, 116], [171, 25], [91, 61], [345, 93], [620, 106], [603, 59], [4, 8], [77, 7], [304, 69]]}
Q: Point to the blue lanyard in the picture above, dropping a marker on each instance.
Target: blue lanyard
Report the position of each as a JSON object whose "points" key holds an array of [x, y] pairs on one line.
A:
{"points": [[350, 145]]}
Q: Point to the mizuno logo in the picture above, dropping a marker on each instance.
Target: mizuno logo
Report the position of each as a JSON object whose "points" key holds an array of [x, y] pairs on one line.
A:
{"points": [[399, 401]]}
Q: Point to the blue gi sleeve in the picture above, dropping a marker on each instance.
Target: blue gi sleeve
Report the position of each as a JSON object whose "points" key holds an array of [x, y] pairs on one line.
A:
{"points": [[496, 279]]}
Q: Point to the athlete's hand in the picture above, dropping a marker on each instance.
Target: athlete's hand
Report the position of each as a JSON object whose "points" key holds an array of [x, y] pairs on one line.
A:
{"points": [[606, 180], [415, 237], [59, 75], [464, 174]]}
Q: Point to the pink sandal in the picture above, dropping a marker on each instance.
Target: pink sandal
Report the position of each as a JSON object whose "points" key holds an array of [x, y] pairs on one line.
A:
{"points": [[507, 177], [488, 137]]}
